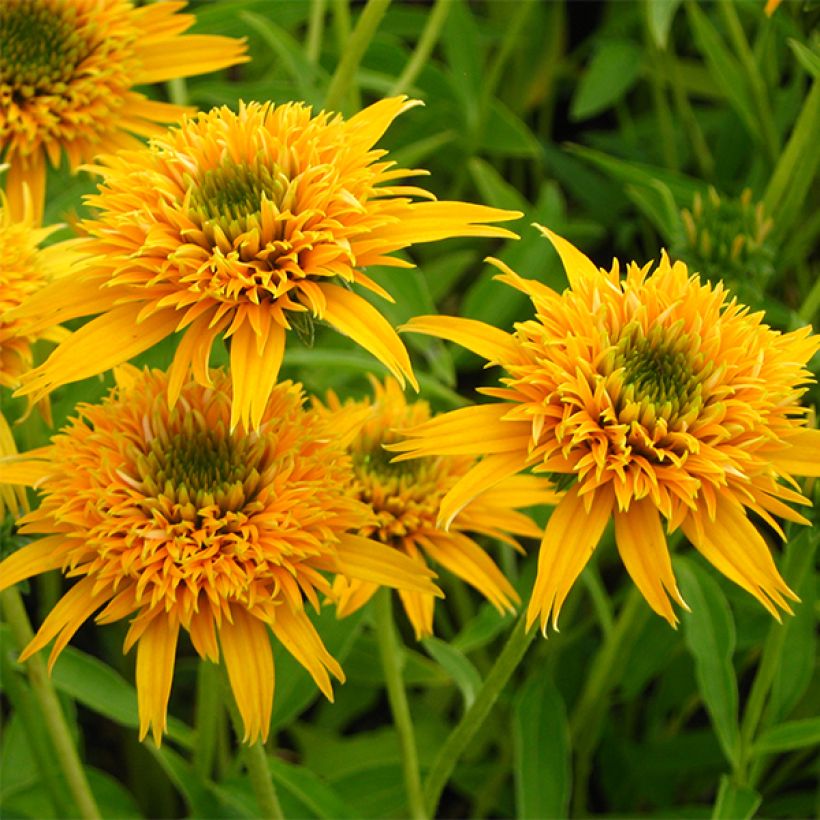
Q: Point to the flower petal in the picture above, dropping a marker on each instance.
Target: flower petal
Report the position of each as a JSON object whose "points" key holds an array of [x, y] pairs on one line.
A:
{"points": [[156, 654]]}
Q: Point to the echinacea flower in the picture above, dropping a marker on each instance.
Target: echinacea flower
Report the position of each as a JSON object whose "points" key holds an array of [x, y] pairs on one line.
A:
{"points": [[165, 517], [67, 68], [405, 497], [649, 397], [235, 224], [25, 269]]}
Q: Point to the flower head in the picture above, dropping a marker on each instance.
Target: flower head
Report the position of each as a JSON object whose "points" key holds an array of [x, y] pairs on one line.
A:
{"points": [[67, 68], [235, 223], [405, 496], [167, 518], [650, 397]]}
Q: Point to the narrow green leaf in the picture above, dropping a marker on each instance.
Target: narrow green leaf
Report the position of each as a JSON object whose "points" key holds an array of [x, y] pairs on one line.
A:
{"points": [[612, 71], [726, 71], [313, 793], [464, 55], [104, 691], [541, 743], [481, 629], [709, 632], [494, 189], [507, 135], [658, 206], [795, 734], [193, 789], [457, 666], [807, 57], [734, 802], [659, 17]]}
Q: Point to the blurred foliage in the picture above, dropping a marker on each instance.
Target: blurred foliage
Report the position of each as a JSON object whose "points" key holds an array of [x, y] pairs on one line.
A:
{"points": [[627, 127]]}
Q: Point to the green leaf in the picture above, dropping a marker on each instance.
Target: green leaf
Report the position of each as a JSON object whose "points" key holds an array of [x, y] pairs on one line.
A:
{"points": [[194, 790], [112, 798], [506, 135], [313, 793], [726, 71], [659, 16], [658, 206], [464, 55], [735, 802], [795, 734], [807, 57], [481, 629], [611, 73], [457, 666], [541, 743], [494, 189], [104, 691], [709, 632]]}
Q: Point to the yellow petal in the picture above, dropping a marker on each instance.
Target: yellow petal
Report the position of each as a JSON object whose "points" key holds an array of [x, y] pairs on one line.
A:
{"points": [[32, 559], [377, 563], [570, 538], [642, 545], [485, 340], [300, 638], [487, 473], [576, 264], [156, 654], [358, 319], [802, 456], [189, 55], [254, 373], [248, 658], [419, 609]]}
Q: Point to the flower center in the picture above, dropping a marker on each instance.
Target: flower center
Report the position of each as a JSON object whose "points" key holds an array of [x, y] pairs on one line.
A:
{"points": [[41, 46], [658, 369], [232, 192], [203, 467], [377, 461]]}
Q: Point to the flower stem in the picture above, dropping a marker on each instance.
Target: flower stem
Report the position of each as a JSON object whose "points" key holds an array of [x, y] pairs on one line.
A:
{"points": [[457, 742], [343, 78], [316, 26], [208, 708], [256, 762], [431, 33], [604, 675], [49, 706], [391, 664]]}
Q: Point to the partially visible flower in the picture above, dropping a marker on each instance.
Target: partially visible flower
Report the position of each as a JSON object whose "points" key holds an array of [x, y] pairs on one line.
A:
{"points": [[167, 518], [405, 498], [67, 68], [25, 269], [726, 239], [232, 225], [771, 7], [650, 397], [12, 498]]}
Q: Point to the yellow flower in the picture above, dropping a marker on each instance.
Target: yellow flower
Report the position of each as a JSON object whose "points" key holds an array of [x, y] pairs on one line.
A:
{"points": [[234, 225], [167, 518], [650, 397], [25, 269], [67, 68], [11, 497], [405, 496]]}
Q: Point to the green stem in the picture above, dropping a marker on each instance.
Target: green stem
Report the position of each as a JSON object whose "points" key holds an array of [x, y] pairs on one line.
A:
{"points": [[460, 737], [49, 706], [316, 27], [391, 664], [343, 79], [424, 46], [208, 710], [256, 762], [178, 91], [592, 704]]}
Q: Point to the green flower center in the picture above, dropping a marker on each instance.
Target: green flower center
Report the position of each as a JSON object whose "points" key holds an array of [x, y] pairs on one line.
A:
{"points": [[203, 467], [233, 192], [41, 47], [378, 461], [659, 369]]}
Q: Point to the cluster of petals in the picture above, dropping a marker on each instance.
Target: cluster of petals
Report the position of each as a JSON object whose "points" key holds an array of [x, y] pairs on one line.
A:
{"points": [[650, 396], [405, 495], [67, 71], [165, 517], [235, 225]]}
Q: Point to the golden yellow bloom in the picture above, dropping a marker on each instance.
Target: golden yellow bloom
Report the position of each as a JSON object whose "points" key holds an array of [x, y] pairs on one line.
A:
{"points": [[67, 68], [171, 520], [11, 497], [650, 396], [25, 269], [234, 225], [405, 498]]}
